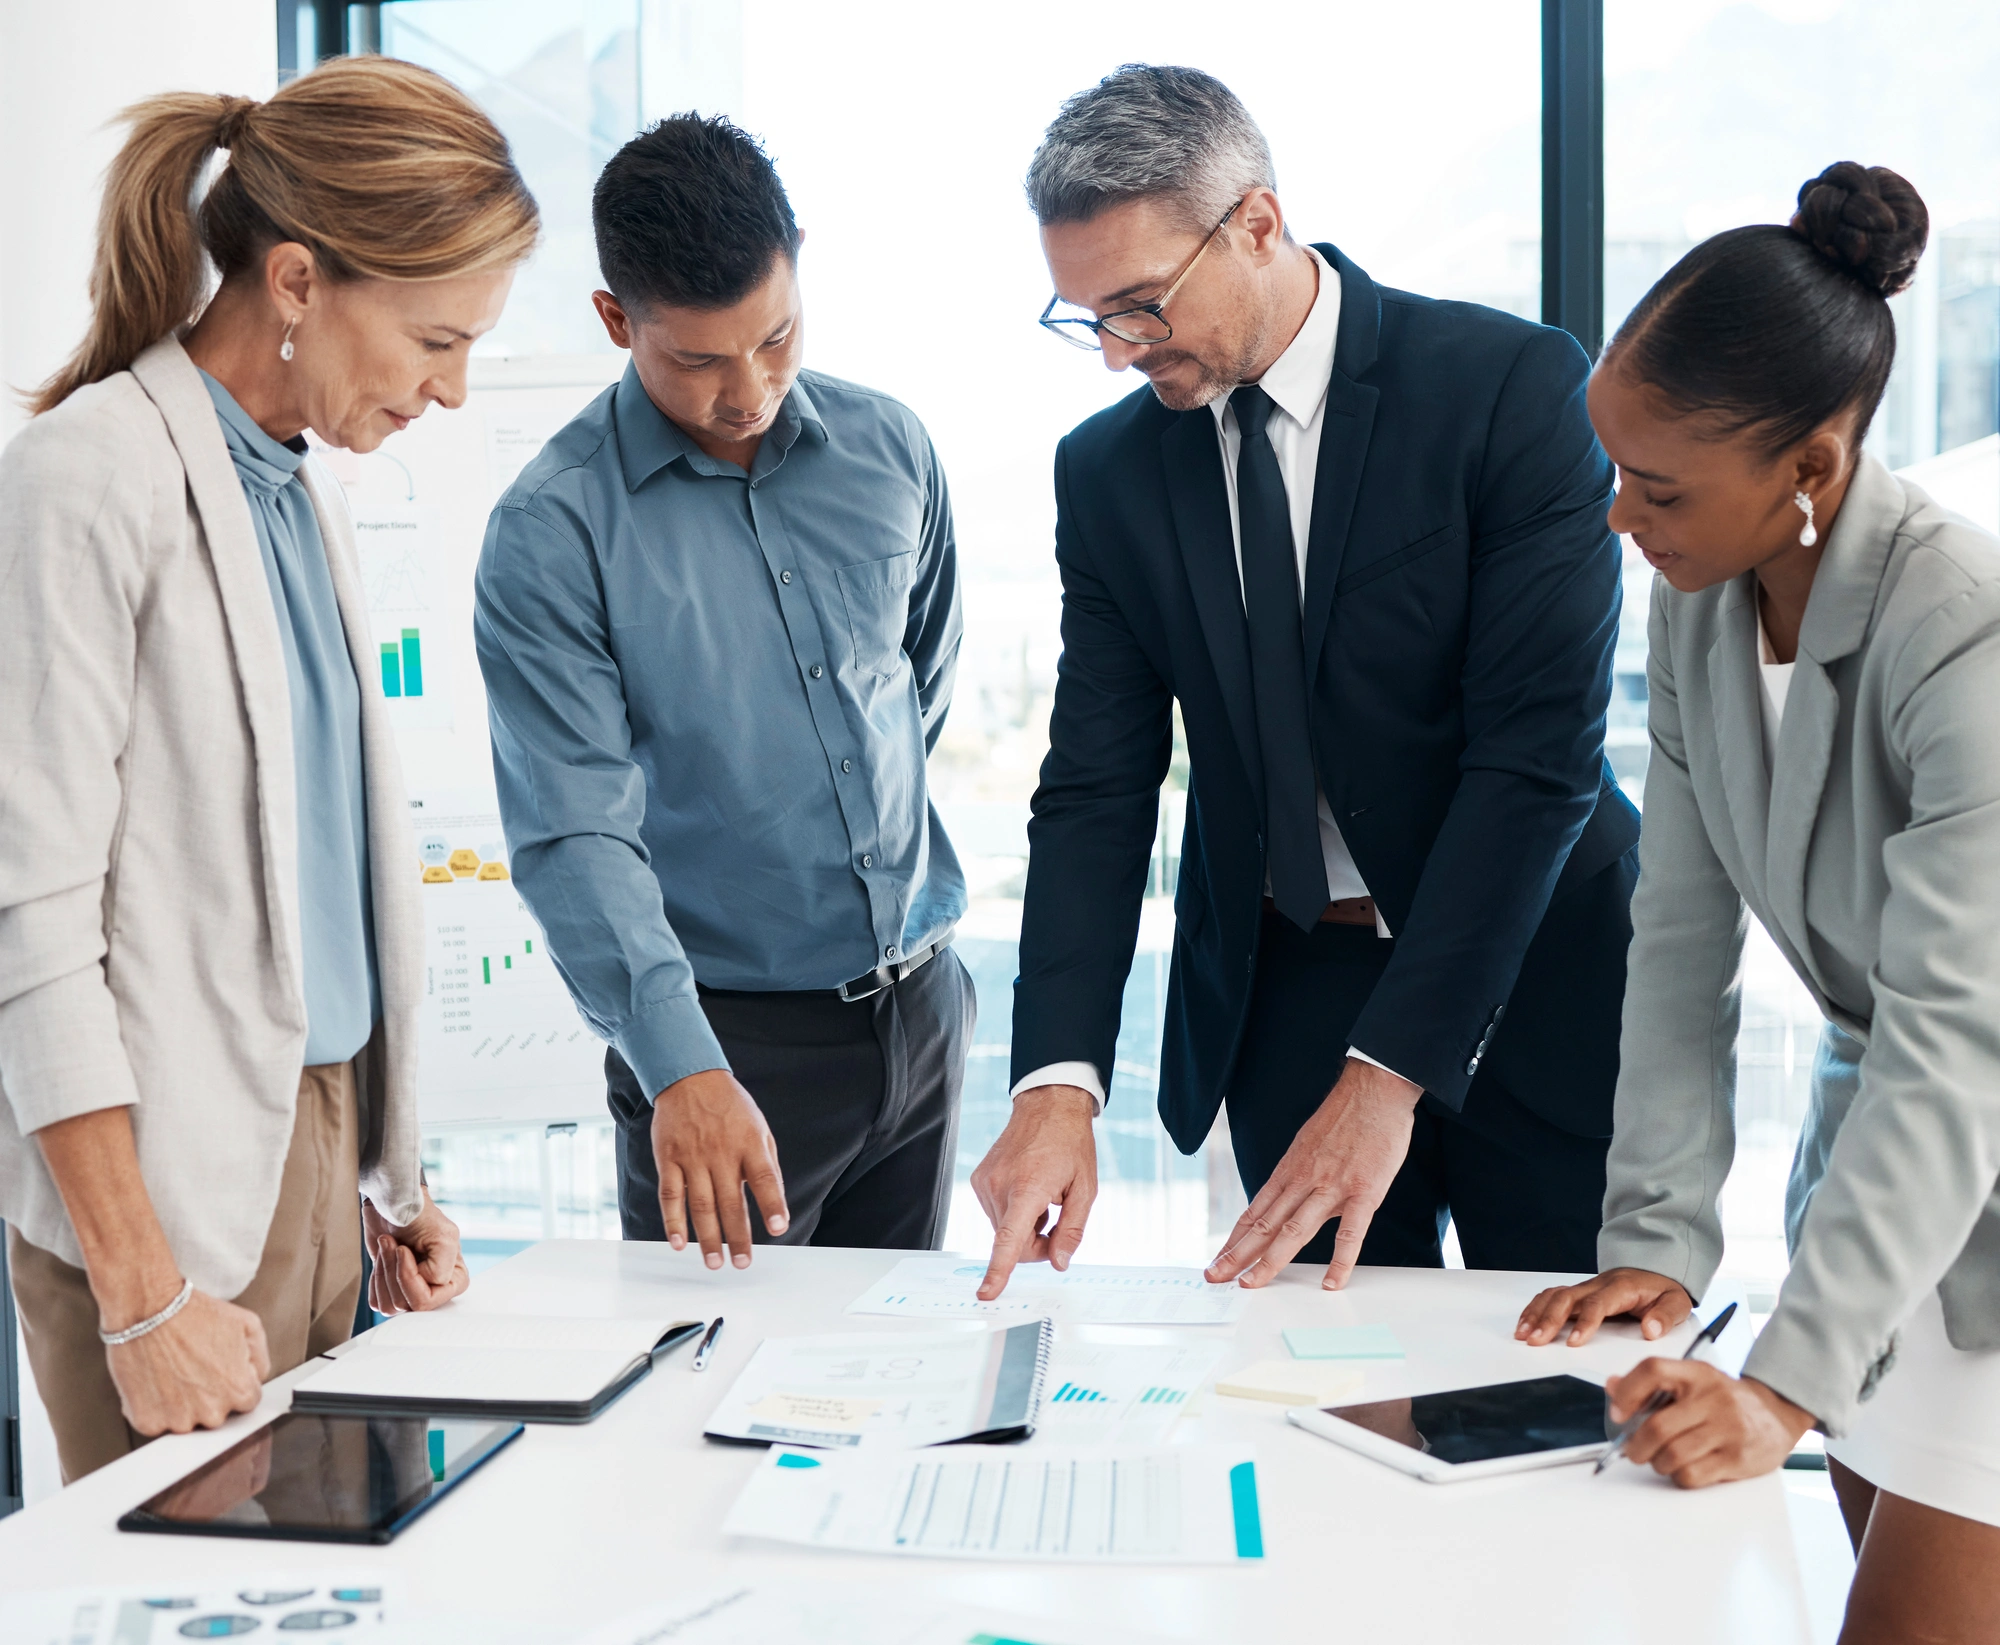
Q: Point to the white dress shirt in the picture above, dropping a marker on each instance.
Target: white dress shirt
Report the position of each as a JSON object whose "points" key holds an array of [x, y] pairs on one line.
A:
{"points": [[1777, 678], [1297, 383]]}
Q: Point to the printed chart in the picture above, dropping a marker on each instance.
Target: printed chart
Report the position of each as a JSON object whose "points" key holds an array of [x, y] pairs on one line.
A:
{"points": [[498, 1030], [1102, 1393]]}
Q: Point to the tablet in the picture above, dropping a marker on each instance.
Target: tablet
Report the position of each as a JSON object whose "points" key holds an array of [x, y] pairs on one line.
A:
{"points": [[1472, 1433], [314, 1478]]}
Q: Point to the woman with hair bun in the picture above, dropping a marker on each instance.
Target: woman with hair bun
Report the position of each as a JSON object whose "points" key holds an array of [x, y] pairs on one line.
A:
{"points": [[210, 958], [1825, 670]]}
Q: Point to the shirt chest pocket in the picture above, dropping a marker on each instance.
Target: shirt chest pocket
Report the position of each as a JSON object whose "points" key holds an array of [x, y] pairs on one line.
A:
{"points": [[877, 596]]}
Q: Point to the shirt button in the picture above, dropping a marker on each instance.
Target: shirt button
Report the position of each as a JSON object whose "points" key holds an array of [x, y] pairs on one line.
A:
{"points": [[815, 671], [847, 765], [889, 952], [867, 862], [784, 576]]}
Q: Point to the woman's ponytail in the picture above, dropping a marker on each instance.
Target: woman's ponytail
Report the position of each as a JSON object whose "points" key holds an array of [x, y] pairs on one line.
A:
{"points": [[381, 169], [150, 273]]}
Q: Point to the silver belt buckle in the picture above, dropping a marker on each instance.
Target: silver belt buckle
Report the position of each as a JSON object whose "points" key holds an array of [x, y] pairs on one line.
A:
{"points": [[887, 976]]}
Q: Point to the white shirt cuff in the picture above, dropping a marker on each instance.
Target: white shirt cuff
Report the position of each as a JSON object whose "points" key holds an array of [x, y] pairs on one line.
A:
{"points": [[1376, 1062], [1083, 1075]]}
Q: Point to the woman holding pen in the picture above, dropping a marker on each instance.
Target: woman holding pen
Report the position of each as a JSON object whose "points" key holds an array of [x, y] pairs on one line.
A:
{"points": [[210, 959], [1825, 677]]}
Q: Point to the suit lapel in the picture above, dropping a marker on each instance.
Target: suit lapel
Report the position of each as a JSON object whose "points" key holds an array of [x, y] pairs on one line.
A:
{"points": [[1838, 613], [1734, 687], [1343, 447], [1192, 458], [170, 380]]}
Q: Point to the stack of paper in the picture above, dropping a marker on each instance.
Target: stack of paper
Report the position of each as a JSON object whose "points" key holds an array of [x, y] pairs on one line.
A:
{"points": [[899, 1391], [1292, 1382], [1173, 1505], [946, 1288]]}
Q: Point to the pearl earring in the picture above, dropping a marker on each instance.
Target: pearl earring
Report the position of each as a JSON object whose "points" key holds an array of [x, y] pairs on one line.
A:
{"points": [[1810, 534], [285, 348]]}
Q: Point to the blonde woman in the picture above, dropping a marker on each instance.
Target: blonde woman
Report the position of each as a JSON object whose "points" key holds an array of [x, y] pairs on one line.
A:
{"points": [[210, 959]]}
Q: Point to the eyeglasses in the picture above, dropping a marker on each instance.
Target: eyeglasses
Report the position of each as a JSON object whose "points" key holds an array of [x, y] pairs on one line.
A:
{"points": [[1143, 324]]}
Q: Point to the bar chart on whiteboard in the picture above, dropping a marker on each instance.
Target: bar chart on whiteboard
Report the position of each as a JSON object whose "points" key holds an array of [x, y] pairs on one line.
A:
{"points": [[498, 1034]]}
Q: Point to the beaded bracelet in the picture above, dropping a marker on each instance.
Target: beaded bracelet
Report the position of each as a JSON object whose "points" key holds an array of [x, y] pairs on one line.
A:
{"points": [[132, 1333]]}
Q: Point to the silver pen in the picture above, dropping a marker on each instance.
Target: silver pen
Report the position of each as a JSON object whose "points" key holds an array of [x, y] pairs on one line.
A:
{"points": [[706, 1346], [1660, 1401]]}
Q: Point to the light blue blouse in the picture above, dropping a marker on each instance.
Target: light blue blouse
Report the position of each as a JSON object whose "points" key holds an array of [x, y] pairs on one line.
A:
{"points": [[336, 923]]}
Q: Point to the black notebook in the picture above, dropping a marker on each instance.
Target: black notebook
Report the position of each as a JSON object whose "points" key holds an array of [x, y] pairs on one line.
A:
{"points": [[503, 1367]]}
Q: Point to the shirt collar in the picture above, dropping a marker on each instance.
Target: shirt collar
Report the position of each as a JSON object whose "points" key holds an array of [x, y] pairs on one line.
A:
{"points": [[1298, 378], [259, 459], [648, 440]]}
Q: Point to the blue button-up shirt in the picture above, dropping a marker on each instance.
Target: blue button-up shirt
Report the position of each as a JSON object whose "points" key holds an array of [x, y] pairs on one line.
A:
{"points": [[712, 696], [336, 923]]}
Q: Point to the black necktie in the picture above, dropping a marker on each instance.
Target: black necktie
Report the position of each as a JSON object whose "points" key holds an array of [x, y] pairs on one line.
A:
{"points": [[1278, 668]]}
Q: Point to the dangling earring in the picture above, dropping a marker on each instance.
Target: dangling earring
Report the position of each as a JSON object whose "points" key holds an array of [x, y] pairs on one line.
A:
{"points": [[285, 348], [1807, 537]]}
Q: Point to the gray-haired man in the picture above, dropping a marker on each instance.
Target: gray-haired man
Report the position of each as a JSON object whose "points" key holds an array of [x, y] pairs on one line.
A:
{"points": [[1359, 537]]}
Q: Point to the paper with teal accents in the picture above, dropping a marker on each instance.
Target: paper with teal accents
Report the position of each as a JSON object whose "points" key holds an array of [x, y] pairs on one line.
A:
{"points": [[1162, 1505], [1343, 1342]]}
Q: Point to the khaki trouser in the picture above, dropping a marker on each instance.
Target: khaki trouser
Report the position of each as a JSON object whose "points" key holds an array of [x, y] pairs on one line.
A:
{"points": [[305, 1288]]}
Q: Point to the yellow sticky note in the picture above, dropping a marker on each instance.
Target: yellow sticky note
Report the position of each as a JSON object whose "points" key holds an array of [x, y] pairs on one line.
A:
{"points": [[1292, 1381]]}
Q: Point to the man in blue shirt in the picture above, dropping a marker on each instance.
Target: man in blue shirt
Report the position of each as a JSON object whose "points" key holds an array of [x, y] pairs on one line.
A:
{"points": [[718, 617]]}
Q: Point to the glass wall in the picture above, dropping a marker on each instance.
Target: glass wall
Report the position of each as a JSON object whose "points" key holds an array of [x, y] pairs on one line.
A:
{"points": [[902, 132], [1715, 113]]}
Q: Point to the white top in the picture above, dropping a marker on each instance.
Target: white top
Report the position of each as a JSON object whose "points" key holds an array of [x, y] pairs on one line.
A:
{"points": [[1777, 678], [1297, 383], [585, 1523]]}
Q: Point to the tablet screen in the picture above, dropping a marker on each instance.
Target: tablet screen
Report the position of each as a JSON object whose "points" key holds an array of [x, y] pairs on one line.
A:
{"points": [[324, 1478], [1503, 1419]]}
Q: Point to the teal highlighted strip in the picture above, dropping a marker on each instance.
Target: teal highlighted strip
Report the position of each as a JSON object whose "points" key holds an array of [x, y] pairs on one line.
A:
{"points": [[413, 663], [792, 1459], [1243, 1499], [392, 671], [996, 1639], [436, 1438]]}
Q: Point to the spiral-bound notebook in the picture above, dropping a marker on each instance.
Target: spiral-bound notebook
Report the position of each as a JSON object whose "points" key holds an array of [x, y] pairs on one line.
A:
{"points": [[890, 1390]]}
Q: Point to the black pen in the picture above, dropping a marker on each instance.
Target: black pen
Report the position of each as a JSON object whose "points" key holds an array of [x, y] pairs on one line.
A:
{"points": [[706, 1346], [1631, 1425]]}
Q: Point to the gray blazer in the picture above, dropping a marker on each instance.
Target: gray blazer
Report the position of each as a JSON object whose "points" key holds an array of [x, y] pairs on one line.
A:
{"points": [[149, 897], [1871, 853]]}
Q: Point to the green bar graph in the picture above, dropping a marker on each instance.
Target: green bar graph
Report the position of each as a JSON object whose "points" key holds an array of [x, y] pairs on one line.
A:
{"points": [[392, 671], [485, 969], [413, 663]]}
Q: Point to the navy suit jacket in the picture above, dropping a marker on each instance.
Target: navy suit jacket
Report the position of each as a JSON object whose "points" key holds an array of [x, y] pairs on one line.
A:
{"points": [[1461, 606]]}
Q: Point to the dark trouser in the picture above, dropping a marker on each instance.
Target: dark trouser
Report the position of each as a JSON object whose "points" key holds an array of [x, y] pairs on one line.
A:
{"points": [[1523, 1193], [862, 1099]]}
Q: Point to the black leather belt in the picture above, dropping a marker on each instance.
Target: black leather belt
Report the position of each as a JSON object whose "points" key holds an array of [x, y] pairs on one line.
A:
{"points": [[887, 976]]}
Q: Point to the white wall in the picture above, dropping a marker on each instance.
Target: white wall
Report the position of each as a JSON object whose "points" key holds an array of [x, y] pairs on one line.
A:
{"points": [[66, 68]]}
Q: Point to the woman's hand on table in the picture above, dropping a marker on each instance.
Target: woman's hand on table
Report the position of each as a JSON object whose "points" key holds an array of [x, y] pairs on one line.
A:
{"points": [[1718, 1427], [418, 1266], [196, 1371], [1658, 1303]]}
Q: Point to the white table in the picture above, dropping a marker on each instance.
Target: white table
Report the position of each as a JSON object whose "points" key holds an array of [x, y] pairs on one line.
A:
{"points": [[575, 1525]]}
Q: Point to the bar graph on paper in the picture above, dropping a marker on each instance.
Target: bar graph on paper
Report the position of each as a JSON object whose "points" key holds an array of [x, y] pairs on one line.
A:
{"points": [[1120, 1393], [404, 582]]}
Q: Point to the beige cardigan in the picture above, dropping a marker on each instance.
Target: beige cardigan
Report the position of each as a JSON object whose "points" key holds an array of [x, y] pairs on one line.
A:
{"points": [[1871, 853], [149, 903]]}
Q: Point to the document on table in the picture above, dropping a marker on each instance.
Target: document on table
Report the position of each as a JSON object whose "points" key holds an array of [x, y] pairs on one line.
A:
{"points": [[946, 1287], [835, 1614], [349, 1606], [889, 1390], [1176, 1504], [1122, 1393]]}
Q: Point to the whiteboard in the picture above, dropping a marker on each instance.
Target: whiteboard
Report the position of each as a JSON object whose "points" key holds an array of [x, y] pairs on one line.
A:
{"points": [[500, 1042]]}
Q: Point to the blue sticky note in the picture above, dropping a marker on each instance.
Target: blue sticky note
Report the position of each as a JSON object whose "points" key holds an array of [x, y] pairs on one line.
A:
{"points": [[1343, 1342]]}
